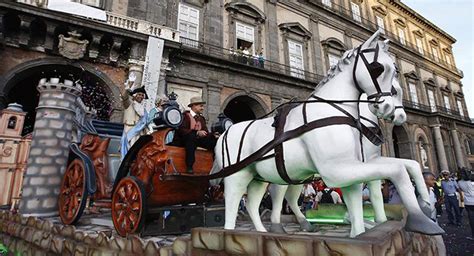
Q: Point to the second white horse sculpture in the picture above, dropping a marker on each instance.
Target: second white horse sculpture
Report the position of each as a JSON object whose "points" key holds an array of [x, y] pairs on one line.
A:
{"points": [[332, 151]]}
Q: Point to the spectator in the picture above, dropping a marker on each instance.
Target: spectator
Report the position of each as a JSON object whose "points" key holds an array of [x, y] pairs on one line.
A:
{"points": [[240, 51], [309, 195], [328, 196], [466, 184], [439, 198], [261, 59], [450, 186], [430, 181], [233, 54], [246, 55], [365, 194]]}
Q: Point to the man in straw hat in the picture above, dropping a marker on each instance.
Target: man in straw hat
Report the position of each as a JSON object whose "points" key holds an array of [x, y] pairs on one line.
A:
{"points": [[193, 132]]}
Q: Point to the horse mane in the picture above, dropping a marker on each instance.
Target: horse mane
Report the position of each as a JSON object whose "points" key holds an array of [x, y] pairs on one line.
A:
{"points": [[344, 61]]}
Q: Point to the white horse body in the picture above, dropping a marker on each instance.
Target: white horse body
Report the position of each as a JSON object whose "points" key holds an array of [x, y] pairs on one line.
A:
{"points": [[333, 152]]}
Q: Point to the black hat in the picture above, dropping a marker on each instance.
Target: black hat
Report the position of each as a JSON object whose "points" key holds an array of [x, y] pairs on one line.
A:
{"points": [[140, 89]]}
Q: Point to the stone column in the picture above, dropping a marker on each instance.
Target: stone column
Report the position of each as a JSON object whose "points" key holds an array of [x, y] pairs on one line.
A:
{"points": [[162, 89], [457, 148], [443, 161], [49, 148], [136, 67], [213, 101]]}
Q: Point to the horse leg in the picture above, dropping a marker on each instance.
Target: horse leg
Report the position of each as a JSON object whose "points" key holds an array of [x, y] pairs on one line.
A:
{"points": [[376, 198], [353, 199], [277, 193], [414, 170], [234, 188], [292, 196], [416, 220], [255, 192]]}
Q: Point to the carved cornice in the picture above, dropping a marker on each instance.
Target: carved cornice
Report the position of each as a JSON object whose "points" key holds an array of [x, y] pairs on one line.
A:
{"points": [[246, 9], [430, 82], [434, 42], [412, 75], [334, 43], [380, 9], [296, 28], [400, 22], [418, 33]]}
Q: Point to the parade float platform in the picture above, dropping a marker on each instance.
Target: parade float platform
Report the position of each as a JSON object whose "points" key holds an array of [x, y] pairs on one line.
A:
{"points": [[95, 235]]}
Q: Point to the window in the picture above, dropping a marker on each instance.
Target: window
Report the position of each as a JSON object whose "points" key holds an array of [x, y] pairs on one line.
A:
{"points": [[245, 37], [355, 12], [419, 45], [432, 101], [333, 59], [448, 59], [460, 109], [435, 53], [94, 3], [413, 94], [327, 3], [295, 52], [446, 102], [401, 35], [188, 22], [380, 24], [11, 122]]}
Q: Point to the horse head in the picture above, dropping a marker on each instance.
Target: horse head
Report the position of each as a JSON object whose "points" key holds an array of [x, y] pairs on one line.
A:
{"points": [[399, 115], [373, 74]]}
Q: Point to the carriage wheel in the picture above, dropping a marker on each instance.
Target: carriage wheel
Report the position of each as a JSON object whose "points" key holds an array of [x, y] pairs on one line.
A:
{"points": [[128, 206], [73, 196]]}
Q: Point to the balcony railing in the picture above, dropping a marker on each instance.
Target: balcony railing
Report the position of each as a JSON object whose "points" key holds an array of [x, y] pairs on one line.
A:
{"points": [[142, 26], [344, 12], [442, 110], [248, 60]]}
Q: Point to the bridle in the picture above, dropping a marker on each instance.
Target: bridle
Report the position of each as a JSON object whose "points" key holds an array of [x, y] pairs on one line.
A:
{"points": [[375, 69]]}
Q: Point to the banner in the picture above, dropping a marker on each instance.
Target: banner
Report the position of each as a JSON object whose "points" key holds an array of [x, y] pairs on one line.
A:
{"points": [[151, 70]]}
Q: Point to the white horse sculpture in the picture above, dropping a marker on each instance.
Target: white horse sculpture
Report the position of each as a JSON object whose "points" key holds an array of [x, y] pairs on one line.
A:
{"points": [[372, 153], [333, 152]]}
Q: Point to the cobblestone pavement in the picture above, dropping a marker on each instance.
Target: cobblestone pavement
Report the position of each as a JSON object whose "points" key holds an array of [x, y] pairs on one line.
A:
{"points": [[456, 238]]}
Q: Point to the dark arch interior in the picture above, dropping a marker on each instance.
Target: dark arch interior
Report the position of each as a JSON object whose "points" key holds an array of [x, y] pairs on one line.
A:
{"points": [[401, 143], [23, 90], [243, 108]]}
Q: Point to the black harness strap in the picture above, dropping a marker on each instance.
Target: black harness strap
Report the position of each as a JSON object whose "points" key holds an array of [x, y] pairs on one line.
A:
{"points": [[288, 135], [241, 144], [279, 154]]}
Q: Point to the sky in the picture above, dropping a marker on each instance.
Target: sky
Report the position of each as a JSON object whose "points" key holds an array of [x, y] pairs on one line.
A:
{"points": [[456, 18]]}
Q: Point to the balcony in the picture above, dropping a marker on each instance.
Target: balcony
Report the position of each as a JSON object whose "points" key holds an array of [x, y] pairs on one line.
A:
{"points": [[248, 60], [438, 110], [347, 14]]}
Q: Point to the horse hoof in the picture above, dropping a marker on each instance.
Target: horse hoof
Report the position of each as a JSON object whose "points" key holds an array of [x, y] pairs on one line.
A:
{"points": [[277, 228], [422, 224], [307, 227]]}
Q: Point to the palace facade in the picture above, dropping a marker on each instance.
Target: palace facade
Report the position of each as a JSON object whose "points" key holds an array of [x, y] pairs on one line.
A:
{"points": [[290, 45]]}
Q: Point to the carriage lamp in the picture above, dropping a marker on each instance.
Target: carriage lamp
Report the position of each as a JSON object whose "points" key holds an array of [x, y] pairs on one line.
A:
{"points": [[223, 123], [171, 116]]}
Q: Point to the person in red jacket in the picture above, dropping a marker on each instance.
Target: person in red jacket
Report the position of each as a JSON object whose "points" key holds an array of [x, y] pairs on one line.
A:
{"points": [[193, 132]]}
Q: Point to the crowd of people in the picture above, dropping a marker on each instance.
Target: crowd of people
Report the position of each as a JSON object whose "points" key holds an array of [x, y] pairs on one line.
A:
{"points": [[452, 193], [243, 55]]}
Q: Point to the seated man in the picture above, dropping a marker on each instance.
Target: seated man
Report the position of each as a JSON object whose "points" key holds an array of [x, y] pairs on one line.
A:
{"points": [[193, 132]]}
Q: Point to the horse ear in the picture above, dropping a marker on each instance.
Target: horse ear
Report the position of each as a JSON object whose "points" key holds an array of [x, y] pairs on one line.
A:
{"points": [[373, 39]]}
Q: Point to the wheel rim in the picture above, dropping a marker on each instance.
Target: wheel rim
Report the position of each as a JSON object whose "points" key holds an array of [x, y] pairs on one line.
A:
{"points": [[72, 193], [127, 207]]}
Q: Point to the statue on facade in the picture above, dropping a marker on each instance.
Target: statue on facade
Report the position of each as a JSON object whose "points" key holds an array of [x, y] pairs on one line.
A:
{"points": [[424, 156]]}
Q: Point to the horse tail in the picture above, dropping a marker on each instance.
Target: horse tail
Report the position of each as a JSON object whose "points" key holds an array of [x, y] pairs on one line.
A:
{"points": [[216, 167]]}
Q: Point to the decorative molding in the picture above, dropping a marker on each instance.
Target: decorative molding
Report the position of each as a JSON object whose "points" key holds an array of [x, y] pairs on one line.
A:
{"points": [[418, 33], [400, 22], [430, 82], [246, 9], [295, 28], [72, 47], [380, 9], [434, 42], [411, 75], [334, 43], [447, 50]]}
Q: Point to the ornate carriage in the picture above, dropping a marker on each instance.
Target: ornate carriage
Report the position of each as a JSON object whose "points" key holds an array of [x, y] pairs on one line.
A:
{"points": [[134, 189]]}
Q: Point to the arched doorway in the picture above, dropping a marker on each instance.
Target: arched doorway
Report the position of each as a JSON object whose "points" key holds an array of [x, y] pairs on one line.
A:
{"points": [[243, 108], [401, 143], [20, 87]]}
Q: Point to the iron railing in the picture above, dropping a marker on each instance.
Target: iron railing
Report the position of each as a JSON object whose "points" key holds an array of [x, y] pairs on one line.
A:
{"points": [[248, 60], [369, 24], [438, 109]]}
